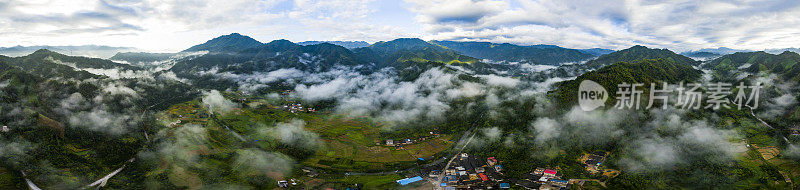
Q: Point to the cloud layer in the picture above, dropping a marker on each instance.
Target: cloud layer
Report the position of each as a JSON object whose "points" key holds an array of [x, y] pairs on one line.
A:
{"points": [[615, 24], [177, 24]]}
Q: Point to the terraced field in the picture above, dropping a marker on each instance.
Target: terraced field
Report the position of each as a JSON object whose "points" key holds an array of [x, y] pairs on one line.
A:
{"points": [[347, 143]]}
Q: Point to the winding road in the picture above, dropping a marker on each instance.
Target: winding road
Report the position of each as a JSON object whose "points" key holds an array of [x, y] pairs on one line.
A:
{"points": [[786, 178], [441, 174], [767, 124], [102, 181]]}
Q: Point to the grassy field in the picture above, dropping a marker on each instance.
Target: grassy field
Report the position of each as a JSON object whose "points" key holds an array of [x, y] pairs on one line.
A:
{"points": [[351, 144], [765, 159], [368, 182], [347, 143]]}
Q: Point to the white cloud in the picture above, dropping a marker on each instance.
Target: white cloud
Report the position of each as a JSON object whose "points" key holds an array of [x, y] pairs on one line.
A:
{"points": [[295, 134], [102, 120], [177, 24], [495, 80], [546, 129], [680, 25], [258, 161], [215, 102], [492, 134], [170, 25]]}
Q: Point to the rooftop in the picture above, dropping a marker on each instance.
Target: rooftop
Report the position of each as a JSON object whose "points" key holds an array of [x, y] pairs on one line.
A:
{"points": [[406, 181]]}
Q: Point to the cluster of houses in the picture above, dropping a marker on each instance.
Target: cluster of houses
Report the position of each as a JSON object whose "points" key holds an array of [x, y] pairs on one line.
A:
{"points": [[473, 172], [399, 144], [795, 130], [310, 172], [295, 107], [593, 163], [543, 178], [298, 107], [286, 93], [287, 184], [551, 178]]}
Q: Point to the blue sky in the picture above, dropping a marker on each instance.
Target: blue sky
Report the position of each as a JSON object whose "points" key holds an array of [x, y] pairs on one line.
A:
{"points": [[172, 25]]}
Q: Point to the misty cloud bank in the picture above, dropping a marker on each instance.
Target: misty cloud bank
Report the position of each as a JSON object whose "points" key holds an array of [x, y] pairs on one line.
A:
{"points": [[294, 134], [112, 111], [215, 102], [426, 98], [653, 141], [258, 162]]}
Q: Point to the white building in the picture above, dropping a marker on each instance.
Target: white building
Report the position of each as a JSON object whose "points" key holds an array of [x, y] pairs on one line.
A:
{"points": [[283, 184], [5, 129]]}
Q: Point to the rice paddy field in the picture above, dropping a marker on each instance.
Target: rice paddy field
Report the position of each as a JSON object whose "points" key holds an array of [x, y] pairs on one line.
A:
{"points": [[347, 143]]}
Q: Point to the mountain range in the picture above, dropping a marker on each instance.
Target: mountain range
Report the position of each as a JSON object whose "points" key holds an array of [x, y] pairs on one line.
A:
{"points": [[87, 116], [96, 51], [636, 53], [539, 54], [784, 65], [346, 44]]}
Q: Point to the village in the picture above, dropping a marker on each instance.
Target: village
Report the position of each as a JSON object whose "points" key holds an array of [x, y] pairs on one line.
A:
{"points": [[475, 172], [293, 106], [466, 171]]}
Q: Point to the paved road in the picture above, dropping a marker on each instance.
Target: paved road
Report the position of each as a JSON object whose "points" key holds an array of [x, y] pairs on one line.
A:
{"points": [[441, 174], [102, 181], [463, 137], [785, 177], [29, 182], [767, 124]]}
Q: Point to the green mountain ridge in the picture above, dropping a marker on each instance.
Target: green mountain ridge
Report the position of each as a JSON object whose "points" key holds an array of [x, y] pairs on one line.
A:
{"points": [[644, 71], [785, 65], [411, 49], [636, 53], [549, 55], [141, 57], [227, 43]]}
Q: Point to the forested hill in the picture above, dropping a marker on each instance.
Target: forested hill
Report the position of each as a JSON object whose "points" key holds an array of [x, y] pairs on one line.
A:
{"points": [[410, 49], [644, 71], [49, 64], [784, 65], [142, 57], [637, 53], [234, 42], [346, 44], [548, 55]]}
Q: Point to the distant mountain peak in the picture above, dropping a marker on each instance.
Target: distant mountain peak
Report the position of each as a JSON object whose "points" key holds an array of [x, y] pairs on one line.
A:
{"points": [[41, 51], [722, 50], [638, 53], [44, 53], [645, 48], [282, 45], [346, 44], [507, 52], [233, 42], [407, 42], [639, 47], [789, 53], [281, 41], [391, 47]]}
